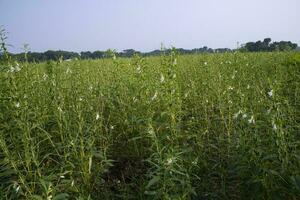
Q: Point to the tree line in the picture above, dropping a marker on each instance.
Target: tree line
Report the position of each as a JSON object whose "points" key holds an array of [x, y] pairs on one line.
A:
{"points": [[67, 55], [258, 46], [266, 46]]}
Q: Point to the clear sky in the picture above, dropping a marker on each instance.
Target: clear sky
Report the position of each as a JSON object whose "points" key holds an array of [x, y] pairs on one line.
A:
{"points": [[79, 25]]}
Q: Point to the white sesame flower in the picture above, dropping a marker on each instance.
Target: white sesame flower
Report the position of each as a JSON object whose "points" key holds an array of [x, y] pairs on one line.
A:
{"points": [[236, 115], [151, 131], [162, 78], [154, 96], [230, 88], [11, 69], [17, 105], [274, 126], [80, 99], [91, 88], [174, 75], [68, 71], [270, 93], [62, 177], [186, 95], [17, 68], [138, 69], [17, 189], [112, 127], [169, 161], [175, 62], [244, 116], [205, 63], [248, 86], [97, 116], [72, 183], [251, 120], [59, 108], [134, 99], [45, 77]]}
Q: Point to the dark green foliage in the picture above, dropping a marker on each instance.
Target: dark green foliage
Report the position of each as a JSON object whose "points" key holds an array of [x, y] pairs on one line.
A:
{"points": [[267, 46]]}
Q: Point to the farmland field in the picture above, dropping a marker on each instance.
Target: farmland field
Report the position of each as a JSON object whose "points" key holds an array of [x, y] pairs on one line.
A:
{"points": [[209, 126]]}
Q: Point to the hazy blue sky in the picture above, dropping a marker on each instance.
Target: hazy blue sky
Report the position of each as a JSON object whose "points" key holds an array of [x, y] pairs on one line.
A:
{"points": [[78, 25]]}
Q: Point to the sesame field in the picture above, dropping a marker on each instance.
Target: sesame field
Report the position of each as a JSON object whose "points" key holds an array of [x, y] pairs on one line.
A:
{"points": [[205, 126]]}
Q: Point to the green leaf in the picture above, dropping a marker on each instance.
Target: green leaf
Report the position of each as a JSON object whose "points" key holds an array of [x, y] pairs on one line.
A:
{"points": [[150, 193], [37, 197], [154, 180], [296, 182], [61, 196]]}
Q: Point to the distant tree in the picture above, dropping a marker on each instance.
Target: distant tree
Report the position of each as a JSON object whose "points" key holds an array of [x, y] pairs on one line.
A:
{"points": [[110, 53], [55, 55], [250, 46], [128, 53], [98, 54], [283, 46], [85, 55], [222, 50], [266, 45]]}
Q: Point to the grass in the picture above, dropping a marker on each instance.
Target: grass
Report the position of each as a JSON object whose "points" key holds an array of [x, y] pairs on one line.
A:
{"points": [[210, 126]]}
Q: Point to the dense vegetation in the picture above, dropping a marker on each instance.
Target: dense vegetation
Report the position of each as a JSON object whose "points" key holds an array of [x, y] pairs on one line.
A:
{"points": [[211, 126]]}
